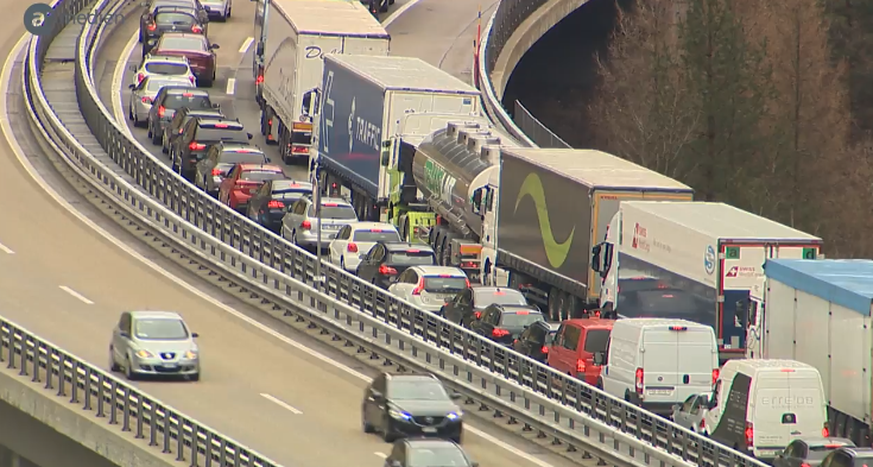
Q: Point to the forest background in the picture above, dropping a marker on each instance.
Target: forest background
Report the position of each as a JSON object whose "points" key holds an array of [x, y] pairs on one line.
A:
{"points": [[763, 104]]}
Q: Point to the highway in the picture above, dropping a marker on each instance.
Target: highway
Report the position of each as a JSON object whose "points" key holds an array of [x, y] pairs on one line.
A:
{"points": [[66, 278]]}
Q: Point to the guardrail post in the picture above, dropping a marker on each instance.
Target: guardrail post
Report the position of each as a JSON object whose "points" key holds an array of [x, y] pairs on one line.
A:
{"points": [[139, 416], [37, 357], [153, 424], [74, 381], [10, 345], [100, 396], [222, 456], [49, 366], [126, 417], [208, 451], [180, 438], [113, 402], [166, 430], [195, 440], [87, 387]]}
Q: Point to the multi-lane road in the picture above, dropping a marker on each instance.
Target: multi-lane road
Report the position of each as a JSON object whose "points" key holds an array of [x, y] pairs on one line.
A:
{"points": [[66, 278]]}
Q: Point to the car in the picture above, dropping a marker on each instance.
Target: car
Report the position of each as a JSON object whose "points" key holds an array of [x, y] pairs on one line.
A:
{"points": [[170, 99], [154, 343], [402, 405], [141, 96], [162, 66], [386, 261], [467, 306], [848, 457], [273, 198], [243, 181], [152, 5], [197, 48], [197, 135], [428, 287], [166, 19], [691, 414], [356, 239], [536, 340], [809, 452], [301, 224], [504, 323], [578, 341], [220, 158], [218, 9], [177, 125], [427, 452]]}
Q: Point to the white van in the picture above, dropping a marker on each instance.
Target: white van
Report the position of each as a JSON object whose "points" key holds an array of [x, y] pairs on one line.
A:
{"points": [[656, 363], [760, 406]]}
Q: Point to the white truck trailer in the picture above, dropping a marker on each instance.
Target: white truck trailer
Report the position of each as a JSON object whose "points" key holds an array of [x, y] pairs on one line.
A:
{"points": [[819, 313], [292, 38], [692, 260]]}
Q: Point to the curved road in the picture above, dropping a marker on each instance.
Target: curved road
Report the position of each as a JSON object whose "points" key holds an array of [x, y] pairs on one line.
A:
{"points": [[67, 279]]}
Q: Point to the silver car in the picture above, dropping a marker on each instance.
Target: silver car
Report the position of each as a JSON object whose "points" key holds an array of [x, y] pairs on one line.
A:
{"points": [[142, 95], [155, 343], [218, 9], [162, 65], [300, 224], [692, 413]]}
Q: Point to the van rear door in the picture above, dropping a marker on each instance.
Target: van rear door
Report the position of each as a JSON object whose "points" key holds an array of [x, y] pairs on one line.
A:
{"points": [[788, 404], [678, 361]]}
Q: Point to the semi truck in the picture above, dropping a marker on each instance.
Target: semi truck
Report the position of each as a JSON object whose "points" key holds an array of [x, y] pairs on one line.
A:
{"points": [[692, 260], [293, 36], [819, 312]]}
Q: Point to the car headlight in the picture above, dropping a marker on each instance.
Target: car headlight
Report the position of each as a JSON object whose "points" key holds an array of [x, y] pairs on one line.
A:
{"points": [[399, 414], [144, 354], [455, 415], [191, 355]]}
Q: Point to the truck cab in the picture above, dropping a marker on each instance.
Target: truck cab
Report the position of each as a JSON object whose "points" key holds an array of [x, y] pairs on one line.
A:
{"points": [[755, 330]]}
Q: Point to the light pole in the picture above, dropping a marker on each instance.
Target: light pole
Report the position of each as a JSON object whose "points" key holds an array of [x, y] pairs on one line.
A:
{"points": [[316, 198]]}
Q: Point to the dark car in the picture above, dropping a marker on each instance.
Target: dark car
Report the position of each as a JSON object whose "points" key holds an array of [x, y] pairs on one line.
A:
{"points": [[504, 323], [170, 99], [166, 19], [268, 205], [534, 341], [848, 457], [197, 48], [381, 265], [197, 135], [152, 6], [401, 405], [809, 452], [467, 306], [424, 452], [220, 158], [177, 124]]}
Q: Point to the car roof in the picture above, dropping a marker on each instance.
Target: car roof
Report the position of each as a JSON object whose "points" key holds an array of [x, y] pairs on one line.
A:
{"points": [[186, 9], [590, 323], [234, 124], [184, 90], [492, 289], [173, 78], [182, 34], [194, 113], [439, 270], [821, 441], [140, 314], [235, 146], [372, 225], [246, 167], [397, 246], [284, 184]]}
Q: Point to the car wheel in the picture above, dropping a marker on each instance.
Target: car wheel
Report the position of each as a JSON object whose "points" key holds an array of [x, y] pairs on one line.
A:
{"points": [[387, 435], [156, 138], [130, 114], [113, 367], [150, 129], [128, 370], [343, 263], [294, 237], [164, 148], [366, 425]]}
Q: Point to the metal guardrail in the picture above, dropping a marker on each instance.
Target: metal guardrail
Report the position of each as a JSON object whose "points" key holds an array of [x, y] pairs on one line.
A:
{"points": [[356, 312], [538, 132]]}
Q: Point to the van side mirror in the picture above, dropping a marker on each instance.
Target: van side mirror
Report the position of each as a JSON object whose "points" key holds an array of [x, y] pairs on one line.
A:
{"points": [[676, 407], [713, 403], [595, 257], [599, 358]]}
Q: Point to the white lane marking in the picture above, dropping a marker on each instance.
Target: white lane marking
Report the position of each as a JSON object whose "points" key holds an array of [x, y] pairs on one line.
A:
{"points": [[117, 83], [76, 295], [231, 84], [31, 171], [393, 16], [246, 44], [381, 455], [6, 249], [281, 403]]}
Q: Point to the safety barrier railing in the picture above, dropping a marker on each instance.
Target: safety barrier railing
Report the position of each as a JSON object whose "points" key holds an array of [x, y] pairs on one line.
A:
{"points": [[536, 130], [357, 312]]}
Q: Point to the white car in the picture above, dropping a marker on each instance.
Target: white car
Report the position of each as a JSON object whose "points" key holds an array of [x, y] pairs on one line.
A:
{"points": [[141, 96], [162, 65], [218, 9], [430, 287], [356, 239]]}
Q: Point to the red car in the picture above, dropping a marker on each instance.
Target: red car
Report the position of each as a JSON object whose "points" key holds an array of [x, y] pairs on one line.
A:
{"points": [[196, 48], [243, 181]]}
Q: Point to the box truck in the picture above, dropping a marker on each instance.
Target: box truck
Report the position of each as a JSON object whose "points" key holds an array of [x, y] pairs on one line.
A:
{"points": [[292, 38], [819, 313], [697, 261]]}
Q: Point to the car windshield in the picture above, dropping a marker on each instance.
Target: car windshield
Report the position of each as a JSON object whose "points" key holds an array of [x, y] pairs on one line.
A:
{"points": [[451, 285], [174, 19], [233, 135], [596, 340], [336, 211], [155, 85], [437, 456], [290, 194], [412, 258], [417, 390], [183, 43], [520, 319], [483, 298], [167, 68], [376, 235], [241, 158], [261, 175], [163, 329], [191, 100]]}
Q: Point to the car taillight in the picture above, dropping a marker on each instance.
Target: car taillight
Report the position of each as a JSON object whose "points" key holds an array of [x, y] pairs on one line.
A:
{"points": [[152, 27], [306, 225], [161, 111], [703, 424], [639, 380], [260, 79], [715, 374], [192, 78], [418, 288], [581, 366], [352, 247], [195, 146], [274, 204], [216, 172], [387, 270], [825, 432], [299, 149], [146, 100], [140, 77], [805, 465], [196, 29], [545, 349], [498, 333], [750, 434], [477, 314]]}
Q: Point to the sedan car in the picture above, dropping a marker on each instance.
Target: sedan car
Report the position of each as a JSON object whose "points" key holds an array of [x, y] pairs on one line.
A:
{"points": [[401, 405], [534, 342], [428, 287], [197, 48], [386, 261], [301, 224], [356, 239], [162, 66], [152, 5], [220, 159], [809, 452], [168, 101], [504, 323], [267, 207], [467, 306], [166, 19], [692, 413], [243, 181], [141, 96], [181, 117], [218, 9], [424, 452], [155, 343]]}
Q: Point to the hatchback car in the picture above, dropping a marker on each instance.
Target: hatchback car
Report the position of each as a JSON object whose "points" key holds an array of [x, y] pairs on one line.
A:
{"points": [[220, 158], [692, 413], [157, 65], [218, 9], [428, 287], [170, 99], [177, 125], [155, 343], [356, 239], [424, 452], [400, 405], [536, 340], [809, 452], [153, 5], [197, 48], [467, 306], [197, 135], [243, 181], [848, 457], [166, 19], [386, 261], [140, 101], [301, 224], [273, 198], [504, 323]]}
